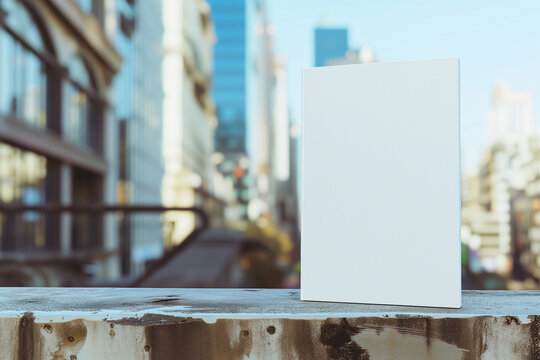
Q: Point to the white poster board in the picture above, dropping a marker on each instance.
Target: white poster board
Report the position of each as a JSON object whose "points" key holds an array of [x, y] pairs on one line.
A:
{"points": [[381, 184]]}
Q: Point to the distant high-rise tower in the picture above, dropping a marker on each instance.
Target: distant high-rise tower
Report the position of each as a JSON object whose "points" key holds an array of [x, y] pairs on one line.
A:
{"points": [[230, 75], [330, 43], [510, 117], [229, 88]]}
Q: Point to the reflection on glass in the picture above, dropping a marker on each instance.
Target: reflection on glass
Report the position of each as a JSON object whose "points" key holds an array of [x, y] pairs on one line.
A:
{"points": [[76, 114], [22, 181], [86, 5], [20, 21], [79, 73], [23, 89], [82, 110]]}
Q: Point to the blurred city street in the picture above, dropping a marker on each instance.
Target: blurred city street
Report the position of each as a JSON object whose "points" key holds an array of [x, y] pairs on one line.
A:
{"points": [[156, 143]]}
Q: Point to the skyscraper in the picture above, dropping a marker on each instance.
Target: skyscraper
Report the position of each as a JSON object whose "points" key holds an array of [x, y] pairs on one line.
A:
{"points": [[136, 30], [330, 43], [229, 89]]}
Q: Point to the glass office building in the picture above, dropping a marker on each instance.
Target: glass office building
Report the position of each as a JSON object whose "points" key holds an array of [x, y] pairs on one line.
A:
{"points": [[330, 43], [229, 87], [138, 99]]}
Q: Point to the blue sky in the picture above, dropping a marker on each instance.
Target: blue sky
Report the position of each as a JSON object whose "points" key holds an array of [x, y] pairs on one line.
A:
{"points": [[495, 41]]}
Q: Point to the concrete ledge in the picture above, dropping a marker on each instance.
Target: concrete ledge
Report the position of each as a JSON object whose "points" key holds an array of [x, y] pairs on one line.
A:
{"points": [[53, 323]]}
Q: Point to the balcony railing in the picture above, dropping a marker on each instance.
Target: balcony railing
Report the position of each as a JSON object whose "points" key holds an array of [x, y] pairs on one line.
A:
{"points": [[86, 241]]}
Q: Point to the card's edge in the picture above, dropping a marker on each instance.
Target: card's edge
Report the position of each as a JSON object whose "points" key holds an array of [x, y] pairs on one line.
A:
{"points": [[459, 176], [302, 179], [457, 305]]}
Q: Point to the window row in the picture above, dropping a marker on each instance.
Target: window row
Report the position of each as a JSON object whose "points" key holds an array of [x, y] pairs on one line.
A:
{"points": [[37, 90], [28, 178]]}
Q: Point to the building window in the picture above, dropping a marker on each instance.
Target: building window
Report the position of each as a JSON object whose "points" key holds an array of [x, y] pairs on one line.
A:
{"points": [[26, 89], [85, 5], [127, 25], [22, 182], [94, 7], [86, 228], [83, 107]]}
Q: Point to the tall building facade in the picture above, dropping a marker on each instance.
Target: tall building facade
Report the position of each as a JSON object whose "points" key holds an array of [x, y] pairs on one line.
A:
{"points": [[526, 215], [57, 129], [261, 112], [285, 153], [274, 193], [506, 172], [230, 91], [135, 27], [189, 115], [330, 43]]}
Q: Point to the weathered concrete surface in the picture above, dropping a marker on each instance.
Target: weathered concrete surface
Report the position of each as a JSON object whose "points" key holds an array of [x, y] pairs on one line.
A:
{"points": [[53, 323]]}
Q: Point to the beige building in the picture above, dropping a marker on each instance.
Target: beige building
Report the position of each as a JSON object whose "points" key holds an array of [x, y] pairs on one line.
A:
{"points": [[486, 213], [487, 197], [261, 114], [526, 214], [507, 168], [189, 118], [274, 190], [490, 212]]}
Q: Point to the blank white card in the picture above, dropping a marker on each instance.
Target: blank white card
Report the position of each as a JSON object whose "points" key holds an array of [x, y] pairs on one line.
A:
{"points": [[381, 184]]}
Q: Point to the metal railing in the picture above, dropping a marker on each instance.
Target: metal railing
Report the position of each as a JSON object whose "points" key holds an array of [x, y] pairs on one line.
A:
{"points": [[101, 208], [54, 255]]}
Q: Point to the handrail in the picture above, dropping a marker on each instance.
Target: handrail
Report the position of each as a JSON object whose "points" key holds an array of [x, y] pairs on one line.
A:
{"points": [[102, 208], [97, 209]]}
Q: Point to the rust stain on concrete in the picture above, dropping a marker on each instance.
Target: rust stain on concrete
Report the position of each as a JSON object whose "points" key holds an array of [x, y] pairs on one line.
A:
{"points": [[534, 337], [166, 337], [71, 337], [339, 343], [26, 337], [363, 338]]}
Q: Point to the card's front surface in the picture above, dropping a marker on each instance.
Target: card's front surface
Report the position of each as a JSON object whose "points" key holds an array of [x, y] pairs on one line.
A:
{"points": [[381, 184]]}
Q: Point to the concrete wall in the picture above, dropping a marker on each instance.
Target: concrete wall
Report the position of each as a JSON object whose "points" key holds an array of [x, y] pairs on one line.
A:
{"points": [[52, 323]]}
